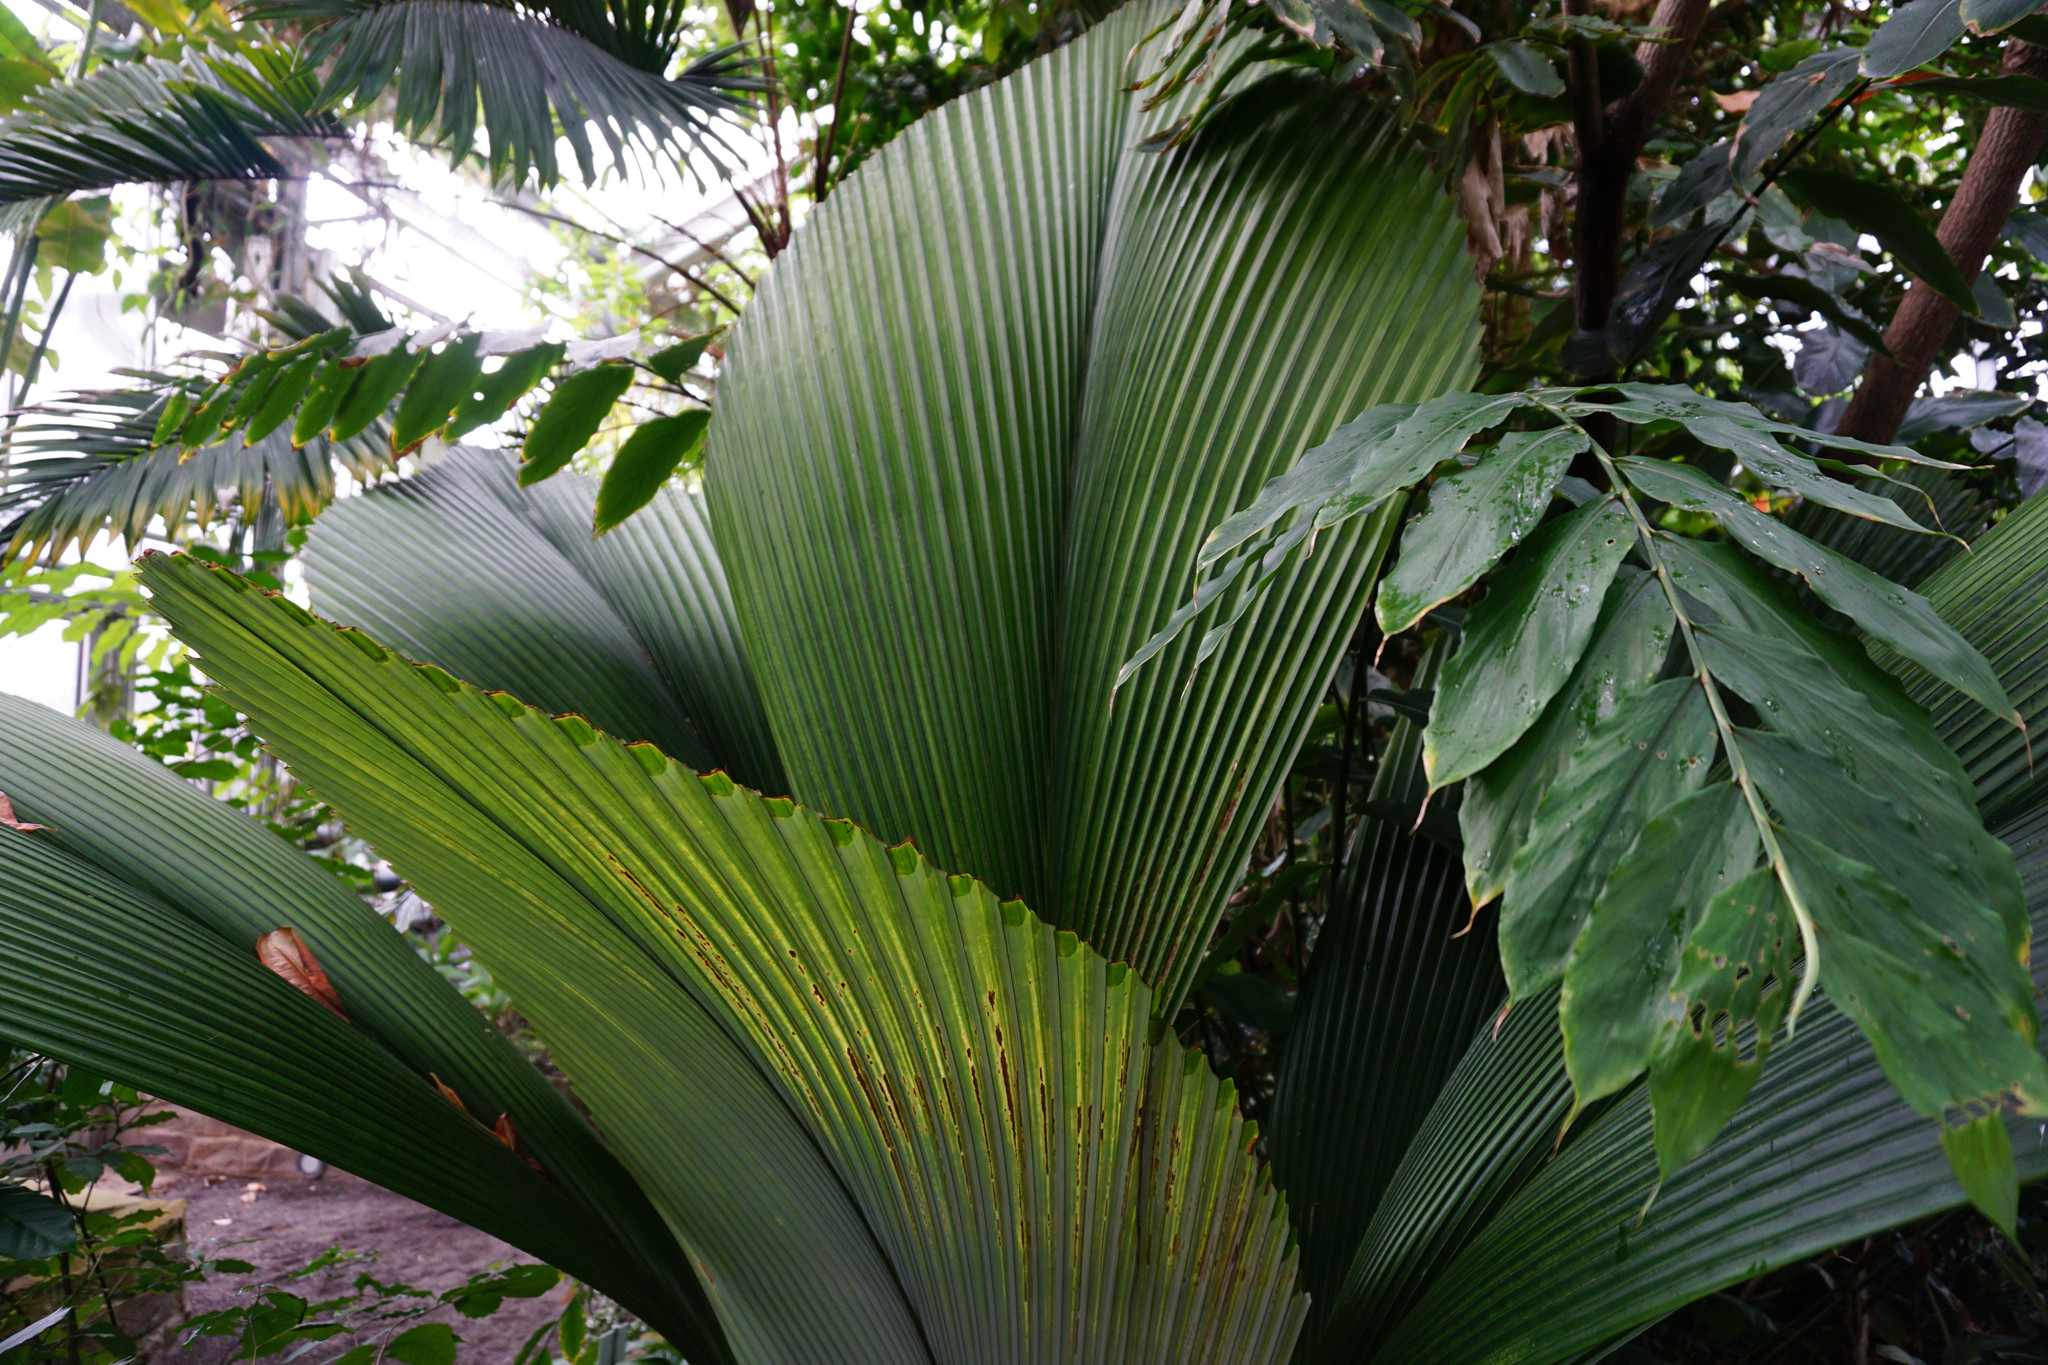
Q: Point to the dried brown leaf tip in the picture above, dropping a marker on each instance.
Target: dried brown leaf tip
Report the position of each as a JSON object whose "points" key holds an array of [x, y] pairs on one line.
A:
{"points": [[448, 1094], [7, 817], [284, 952]]}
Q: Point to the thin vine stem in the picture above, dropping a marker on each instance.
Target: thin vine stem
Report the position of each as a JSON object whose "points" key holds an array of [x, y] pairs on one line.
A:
{"points": [[1809, 937]]}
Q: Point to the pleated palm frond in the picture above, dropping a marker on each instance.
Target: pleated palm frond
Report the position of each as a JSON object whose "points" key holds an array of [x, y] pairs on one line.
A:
{"points": [[528, 75], [201, 117], [89, 461]]}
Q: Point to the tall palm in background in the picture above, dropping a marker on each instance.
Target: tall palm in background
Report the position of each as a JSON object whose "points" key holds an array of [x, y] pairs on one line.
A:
{"points": [[847, 1106]]}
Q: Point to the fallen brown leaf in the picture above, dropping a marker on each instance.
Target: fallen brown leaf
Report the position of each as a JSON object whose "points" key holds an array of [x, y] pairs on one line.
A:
{"points": [[7, 817], [284, 952]]}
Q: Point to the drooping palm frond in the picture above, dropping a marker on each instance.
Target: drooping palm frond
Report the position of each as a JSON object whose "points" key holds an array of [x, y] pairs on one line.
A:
{"points": [[528, 76], [90, 461], [197, 118]]}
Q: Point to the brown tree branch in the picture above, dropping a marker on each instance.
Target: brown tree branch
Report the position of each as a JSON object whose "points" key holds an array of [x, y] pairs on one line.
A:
{"points": [[2011, 142], [1609, 141]]}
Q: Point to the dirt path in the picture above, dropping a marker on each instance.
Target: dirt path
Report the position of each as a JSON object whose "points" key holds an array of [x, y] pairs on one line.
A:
{"points": [[290, 1223]]}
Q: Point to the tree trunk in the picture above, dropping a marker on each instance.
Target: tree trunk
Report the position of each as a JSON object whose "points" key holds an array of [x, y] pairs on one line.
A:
{"points": [[1970, 225]]}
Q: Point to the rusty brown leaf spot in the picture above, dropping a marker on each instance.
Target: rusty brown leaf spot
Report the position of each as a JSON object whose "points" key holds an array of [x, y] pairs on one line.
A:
{"points": [[7, 817], [507, 1131], [284, 952], [448, 1094]]}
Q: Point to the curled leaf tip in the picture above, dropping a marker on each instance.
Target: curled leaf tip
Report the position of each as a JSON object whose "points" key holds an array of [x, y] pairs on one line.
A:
{"points": [[285, 953], [8, 819]]}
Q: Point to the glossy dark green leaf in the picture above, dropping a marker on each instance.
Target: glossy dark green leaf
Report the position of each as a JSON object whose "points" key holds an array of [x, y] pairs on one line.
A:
{"points": [[282, 401], [1898, 616], [1756, 444], [2016, 92], [1314, 479], [1654, 749], [330, 388], [1436, 431], [1475, 516], [1878, 209], [1992, 16], [572, 415], [1993, 595], [377, 386], [1701, 180], [1618, 983], [1823, 1150], [1523, 639], [1829, 361], [1734, 983], [1789, 103], [1914, 35], [673, 362], [1916, 992], [496, 392], [645, 462], [1628, 647], [1655, 282], [33, 1226], [1526, 69], [445, 381]]}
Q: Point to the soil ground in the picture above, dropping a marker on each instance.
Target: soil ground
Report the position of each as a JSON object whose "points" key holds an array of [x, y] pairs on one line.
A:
{"points": [[288, 1223]]}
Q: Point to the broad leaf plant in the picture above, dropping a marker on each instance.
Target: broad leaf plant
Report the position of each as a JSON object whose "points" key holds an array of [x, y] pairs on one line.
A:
{"points": [[852, 822]]}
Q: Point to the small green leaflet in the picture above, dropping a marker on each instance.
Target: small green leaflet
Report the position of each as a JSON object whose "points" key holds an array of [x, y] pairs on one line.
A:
{"points": [[33, 1226], [1525, 69], [1475, 516], [1736, 977], [645, 462], [1898, 616], [673, 362], [1432, 434], [1618, 985], [1523, 640], [1654, 749], [572, 416], [1313, 481], [1915, 35], [1628, 647]]}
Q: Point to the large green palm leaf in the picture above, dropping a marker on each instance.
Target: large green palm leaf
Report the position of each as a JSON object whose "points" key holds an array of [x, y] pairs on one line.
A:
{"points": [[973, 427], [528, 75], [505, 587], [200, 117], [995, 1162], [131, 921]]}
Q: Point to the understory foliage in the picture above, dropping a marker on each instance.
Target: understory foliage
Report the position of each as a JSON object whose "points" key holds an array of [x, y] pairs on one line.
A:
{"points": [[1258, 689]]}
